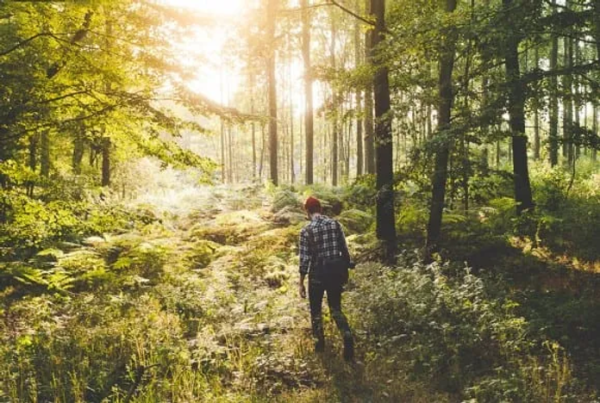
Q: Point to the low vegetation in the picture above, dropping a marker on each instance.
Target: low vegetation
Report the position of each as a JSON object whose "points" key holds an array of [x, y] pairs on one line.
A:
{"points": [[198, 303]]}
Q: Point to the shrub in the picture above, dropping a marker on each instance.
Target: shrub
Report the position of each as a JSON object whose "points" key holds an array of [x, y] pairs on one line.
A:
{"points": [[202, 254], [448, 331], [356, 221]]}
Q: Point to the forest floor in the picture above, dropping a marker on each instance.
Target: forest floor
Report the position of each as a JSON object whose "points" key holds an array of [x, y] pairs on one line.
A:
{"points": [[200, 303], [254, 277], [263, 325]]}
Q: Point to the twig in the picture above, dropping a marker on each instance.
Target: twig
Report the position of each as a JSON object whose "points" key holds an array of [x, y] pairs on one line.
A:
{"points": [[352, 13]]}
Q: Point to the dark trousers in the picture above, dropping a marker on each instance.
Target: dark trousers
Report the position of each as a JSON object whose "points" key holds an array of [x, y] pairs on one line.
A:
{"points": [[316, 290]]}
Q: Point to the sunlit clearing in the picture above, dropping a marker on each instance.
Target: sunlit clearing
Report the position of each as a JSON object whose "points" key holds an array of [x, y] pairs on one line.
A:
{"points": [[218, 7]]}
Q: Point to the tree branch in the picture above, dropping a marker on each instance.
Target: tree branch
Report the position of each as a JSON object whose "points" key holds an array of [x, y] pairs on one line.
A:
{"points": [[336, 4], [23, 43], [352, 13], [53, 70], [538, 74]]}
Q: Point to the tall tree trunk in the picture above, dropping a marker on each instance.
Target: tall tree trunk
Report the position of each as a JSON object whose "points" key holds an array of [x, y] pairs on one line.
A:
{"points": [[359, 135], [536, 116], [369, 118], [595, 130], [485, 155], [308, 93], [33, 146], [106, 144], [516, 109], [253, 124], [222, 125], [262, 151], [45, 154], [106, 161], [272, 84], [567, 99], [553, 118], [446, 99], [335, 112], [347, 148], [576, 149], [386, 227], [292, 173], [596, 6], [498, 153], [223, 162], [230, 153], [78, 150], [369, 126], [359, 122]]}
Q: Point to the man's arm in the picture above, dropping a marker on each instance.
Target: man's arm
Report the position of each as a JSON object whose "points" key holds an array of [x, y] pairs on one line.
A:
{"points": [[305, 254]]}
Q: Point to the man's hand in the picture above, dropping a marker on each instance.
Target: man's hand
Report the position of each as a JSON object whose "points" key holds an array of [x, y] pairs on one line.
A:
{"points": [[302, 290]]}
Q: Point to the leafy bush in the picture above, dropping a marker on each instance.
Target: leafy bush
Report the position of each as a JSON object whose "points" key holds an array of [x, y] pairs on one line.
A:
{"points": [[282, 198], [356, 221], [31, 224], [567, 222], [449, 332]]}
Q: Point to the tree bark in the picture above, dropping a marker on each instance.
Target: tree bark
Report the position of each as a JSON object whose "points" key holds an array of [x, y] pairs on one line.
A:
{"points": [[358, 109], [446, 99], [78, 150], [33, 147], [106, 143], [516, 109], [308, 93], [272, 84], [553, 118], [386, 223], [253, 124], [335, 112], [230, 153], [369, 123], [106, 161], [45, 154], [223, 162], [576, 149], [596, 6], [536, 116], [567, 82], [595, 129]]}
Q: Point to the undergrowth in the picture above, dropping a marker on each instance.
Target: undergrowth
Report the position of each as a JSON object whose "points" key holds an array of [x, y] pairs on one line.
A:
{"points": [[192, 297]]}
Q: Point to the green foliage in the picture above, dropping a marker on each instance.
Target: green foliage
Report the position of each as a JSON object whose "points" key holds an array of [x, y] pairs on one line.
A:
{"points": [[282, 198], [356, 221], [202, 254], [411, 222], [30, 223], [566, 222], [362, 194], [449, 332]]}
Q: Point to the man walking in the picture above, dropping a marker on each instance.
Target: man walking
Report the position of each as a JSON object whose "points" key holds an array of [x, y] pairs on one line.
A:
{"points": [[324, 257]]}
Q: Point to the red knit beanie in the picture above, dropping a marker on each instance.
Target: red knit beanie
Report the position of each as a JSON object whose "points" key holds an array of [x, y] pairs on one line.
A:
{"points": [[312, 205]]}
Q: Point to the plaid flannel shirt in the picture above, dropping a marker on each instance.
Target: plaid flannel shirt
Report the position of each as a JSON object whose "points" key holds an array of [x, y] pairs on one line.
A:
{"points": [[328, 238]]}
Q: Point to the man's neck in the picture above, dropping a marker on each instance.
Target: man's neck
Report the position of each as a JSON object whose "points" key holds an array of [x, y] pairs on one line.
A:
{"points": [[314, 216]]}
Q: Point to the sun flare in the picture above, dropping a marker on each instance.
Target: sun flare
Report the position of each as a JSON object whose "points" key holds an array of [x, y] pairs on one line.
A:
{"points": [[216, 7]]}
